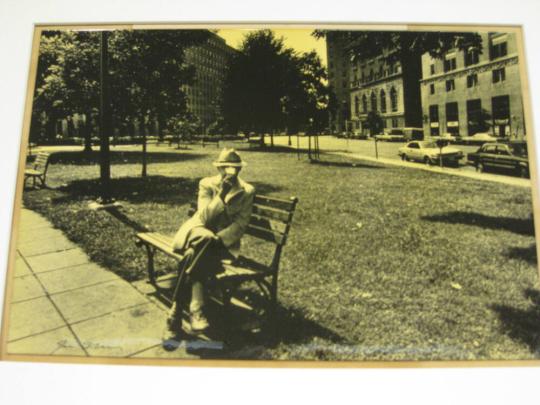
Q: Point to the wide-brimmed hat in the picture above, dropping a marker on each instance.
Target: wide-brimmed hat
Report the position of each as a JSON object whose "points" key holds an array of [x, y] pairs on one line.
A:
{"points": [[229, 157]]}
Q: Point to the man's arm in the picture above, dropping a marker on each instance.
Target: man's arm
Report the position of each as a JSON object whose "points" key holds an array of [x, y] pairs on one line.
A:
{"points": [[209, 206], [234, 232]]}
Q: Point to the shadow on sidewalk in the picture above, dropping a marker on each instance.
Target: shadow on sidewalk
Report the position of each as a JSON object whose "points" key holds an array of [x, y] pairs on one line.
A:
{"points": [[519, 226], [523, 325]]}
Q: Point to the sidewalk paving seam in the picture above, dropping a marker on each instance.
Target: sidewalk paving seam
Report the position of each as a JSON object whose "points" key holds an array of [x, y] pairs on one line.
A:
{"points": [[49, 252], [37, 334], [85, 286], [63, 268], [107, 313], [56, 307]]}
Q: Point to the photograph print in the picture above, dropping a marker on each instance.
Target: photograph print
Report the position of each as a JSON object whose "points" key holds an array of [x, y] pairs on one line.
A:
{"points": [[284, 193]]}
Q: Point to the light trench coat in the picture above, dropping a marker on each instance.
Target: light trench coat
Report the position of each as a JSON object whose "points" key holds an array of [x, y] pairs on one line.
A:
{"points": [[227, 219]]}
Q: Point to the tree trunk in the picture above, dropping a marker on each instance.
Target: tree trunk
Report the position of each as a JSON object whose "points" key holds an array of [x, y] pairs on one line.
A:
{"points": [[143, 133], [411, 65], [88, 132]]}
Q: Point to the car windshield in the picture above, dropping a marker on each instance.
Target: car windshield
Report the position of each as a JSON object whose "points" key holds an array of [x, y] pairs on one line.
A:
{"points": [[518, 149], [396, 132]]}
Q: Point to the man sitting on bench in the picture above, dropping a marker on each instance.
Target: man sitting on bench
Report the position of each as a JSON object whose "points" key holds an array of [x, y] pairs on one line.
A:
{"points": [[213, 234]]}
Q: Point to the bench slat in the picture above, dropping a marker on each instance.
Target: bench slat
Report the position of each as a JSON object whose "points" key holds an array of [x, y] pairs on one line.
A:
{"points": [[271, 213], [273, 202], [262, 233], [159, 241]]}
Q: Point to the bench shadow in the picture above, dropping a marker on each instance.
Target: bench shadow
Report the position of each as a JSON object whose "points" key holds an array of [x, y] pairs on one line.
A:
{"points": [[523, 325], [119, 157], [516, 225], [527, 254], [228, 338]]}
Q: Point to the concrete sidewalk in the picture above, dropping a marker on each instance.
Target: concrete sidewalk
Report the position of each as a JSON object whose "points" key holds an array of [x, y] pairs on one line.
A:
{"points": [[63, 304]]}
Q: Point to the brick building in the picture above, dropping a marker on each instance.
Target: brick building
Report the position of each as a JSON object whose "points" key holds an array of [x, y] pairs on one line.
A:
{"points": [[210, 61], [469, 91], [338, 79], [376, 86]]}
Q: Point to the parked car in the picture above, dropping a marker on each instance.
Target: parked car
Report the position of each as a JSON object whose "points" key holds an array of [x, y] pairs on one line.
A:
{"points": [[507, 156], [447, 136], [393, 135], [479, 138], [429, 153]]}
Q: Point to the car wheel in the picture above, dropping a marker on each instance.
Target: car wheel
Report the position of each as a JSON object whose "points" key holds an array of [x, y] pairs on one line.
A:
{"points": [[404, 157], [427, 160], [480, 167]]}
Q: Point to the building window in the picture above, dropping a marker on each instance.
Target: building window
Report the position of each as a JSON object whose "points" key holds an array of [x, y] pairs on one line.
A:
{"points": [[393, 99], [449, 64], [500, 107], [432, 69], [373, 101], [450, 85], [452, 118], [499, 75], [364, 103], [472, 80], [471, 57], [475, 120], [383, 101], [499, 50], [434, 120], [432, 88], [394, 122], [356, 105]]}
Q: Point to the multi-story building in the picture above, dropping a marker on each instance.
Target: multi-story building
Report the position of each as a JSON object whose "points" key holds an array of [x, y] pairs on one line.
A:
{"points": [[379, 86], [338, 80], [364, 85], [210, 61], [474, 91]]}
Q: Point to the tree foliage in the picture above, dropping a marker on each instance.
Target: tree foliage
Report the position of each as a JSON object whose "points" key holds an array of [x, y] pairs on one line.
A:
{"points": [[270, 87]]}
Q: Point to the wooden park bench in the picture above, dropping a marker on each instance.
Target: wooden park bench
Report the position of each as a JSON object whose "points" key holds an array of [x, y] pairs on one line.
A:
{"points": [[38, 170], [270, 223]]}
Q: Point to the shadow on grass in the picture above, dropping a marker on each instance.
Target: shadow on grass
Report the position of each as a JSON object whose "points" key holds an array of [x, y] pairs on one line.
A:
{"points": [[121, 157], [523, 325], [528, 254], [351, 165], [138, 190], [515, 225], [291, 327]]}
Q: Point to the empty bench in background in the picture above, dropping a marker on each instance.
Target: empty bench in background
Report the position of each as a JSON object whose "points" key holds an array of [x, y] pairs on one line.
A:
{"points": [[38, 170]]}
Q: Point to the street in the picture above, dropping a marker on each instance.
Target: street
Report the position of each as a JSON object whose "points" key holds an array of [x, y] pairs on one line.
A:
{"points": [[365, 147]]}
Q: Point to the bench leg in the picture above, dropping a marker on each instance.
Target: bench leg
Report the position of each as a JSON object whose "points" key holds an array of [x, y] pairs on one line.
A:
{"points": [[151, 270]]}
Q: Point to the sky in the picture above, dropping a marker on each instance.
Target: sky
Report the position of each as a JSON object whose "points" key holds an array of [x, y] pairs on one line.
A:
{"points": [[299, 39]]}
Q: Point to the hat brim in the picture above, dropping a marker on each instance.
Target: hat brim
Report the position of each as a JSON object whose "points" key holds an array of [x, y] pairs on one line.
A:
{"points": [[229, 164]]}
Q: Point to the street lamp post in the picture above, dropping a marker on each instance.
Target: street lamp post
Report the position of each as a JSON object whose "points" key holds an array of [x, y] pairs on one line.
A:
{"points": [[104, 120]]}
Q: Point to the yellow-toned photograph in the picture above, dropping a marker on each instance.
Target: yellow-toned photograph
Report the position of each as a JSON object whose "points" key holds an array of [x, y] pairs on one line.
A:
{"points": [[275, 195]]}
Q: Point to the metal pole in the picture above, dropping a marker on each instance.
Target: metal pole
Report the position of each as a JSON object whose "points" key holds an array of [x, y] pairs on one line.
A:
{"points": [[376, 149], [297, 146], [104, 120]]}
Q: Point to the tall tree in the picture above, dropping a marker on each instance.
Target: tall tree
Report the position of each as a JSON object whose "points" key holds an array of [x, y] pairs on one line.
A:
{"points": [[407, 48], [270, 87], [149, 71], [68, 78]]}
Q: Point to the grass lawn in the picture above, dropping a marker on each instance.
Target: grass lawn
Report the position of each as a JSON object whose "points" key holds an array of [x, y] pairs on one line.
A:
{"points": [[382, 262]]}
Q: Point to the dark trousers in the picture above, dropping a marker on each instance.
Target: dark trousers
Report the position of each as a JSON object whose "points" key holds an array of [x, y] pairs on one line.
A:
{"points": [[203, 260]]}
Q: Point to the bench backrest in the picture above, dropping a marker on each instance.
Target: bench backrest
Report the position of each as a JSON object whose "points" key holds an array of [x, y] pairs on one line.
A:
{"points": [[270, 220], [42, 161]]}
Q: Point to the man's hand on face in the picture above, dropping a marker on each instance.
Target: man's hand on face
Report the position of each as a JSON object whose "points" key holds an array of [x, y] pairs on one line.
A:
{"points": [[226, 184]]}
